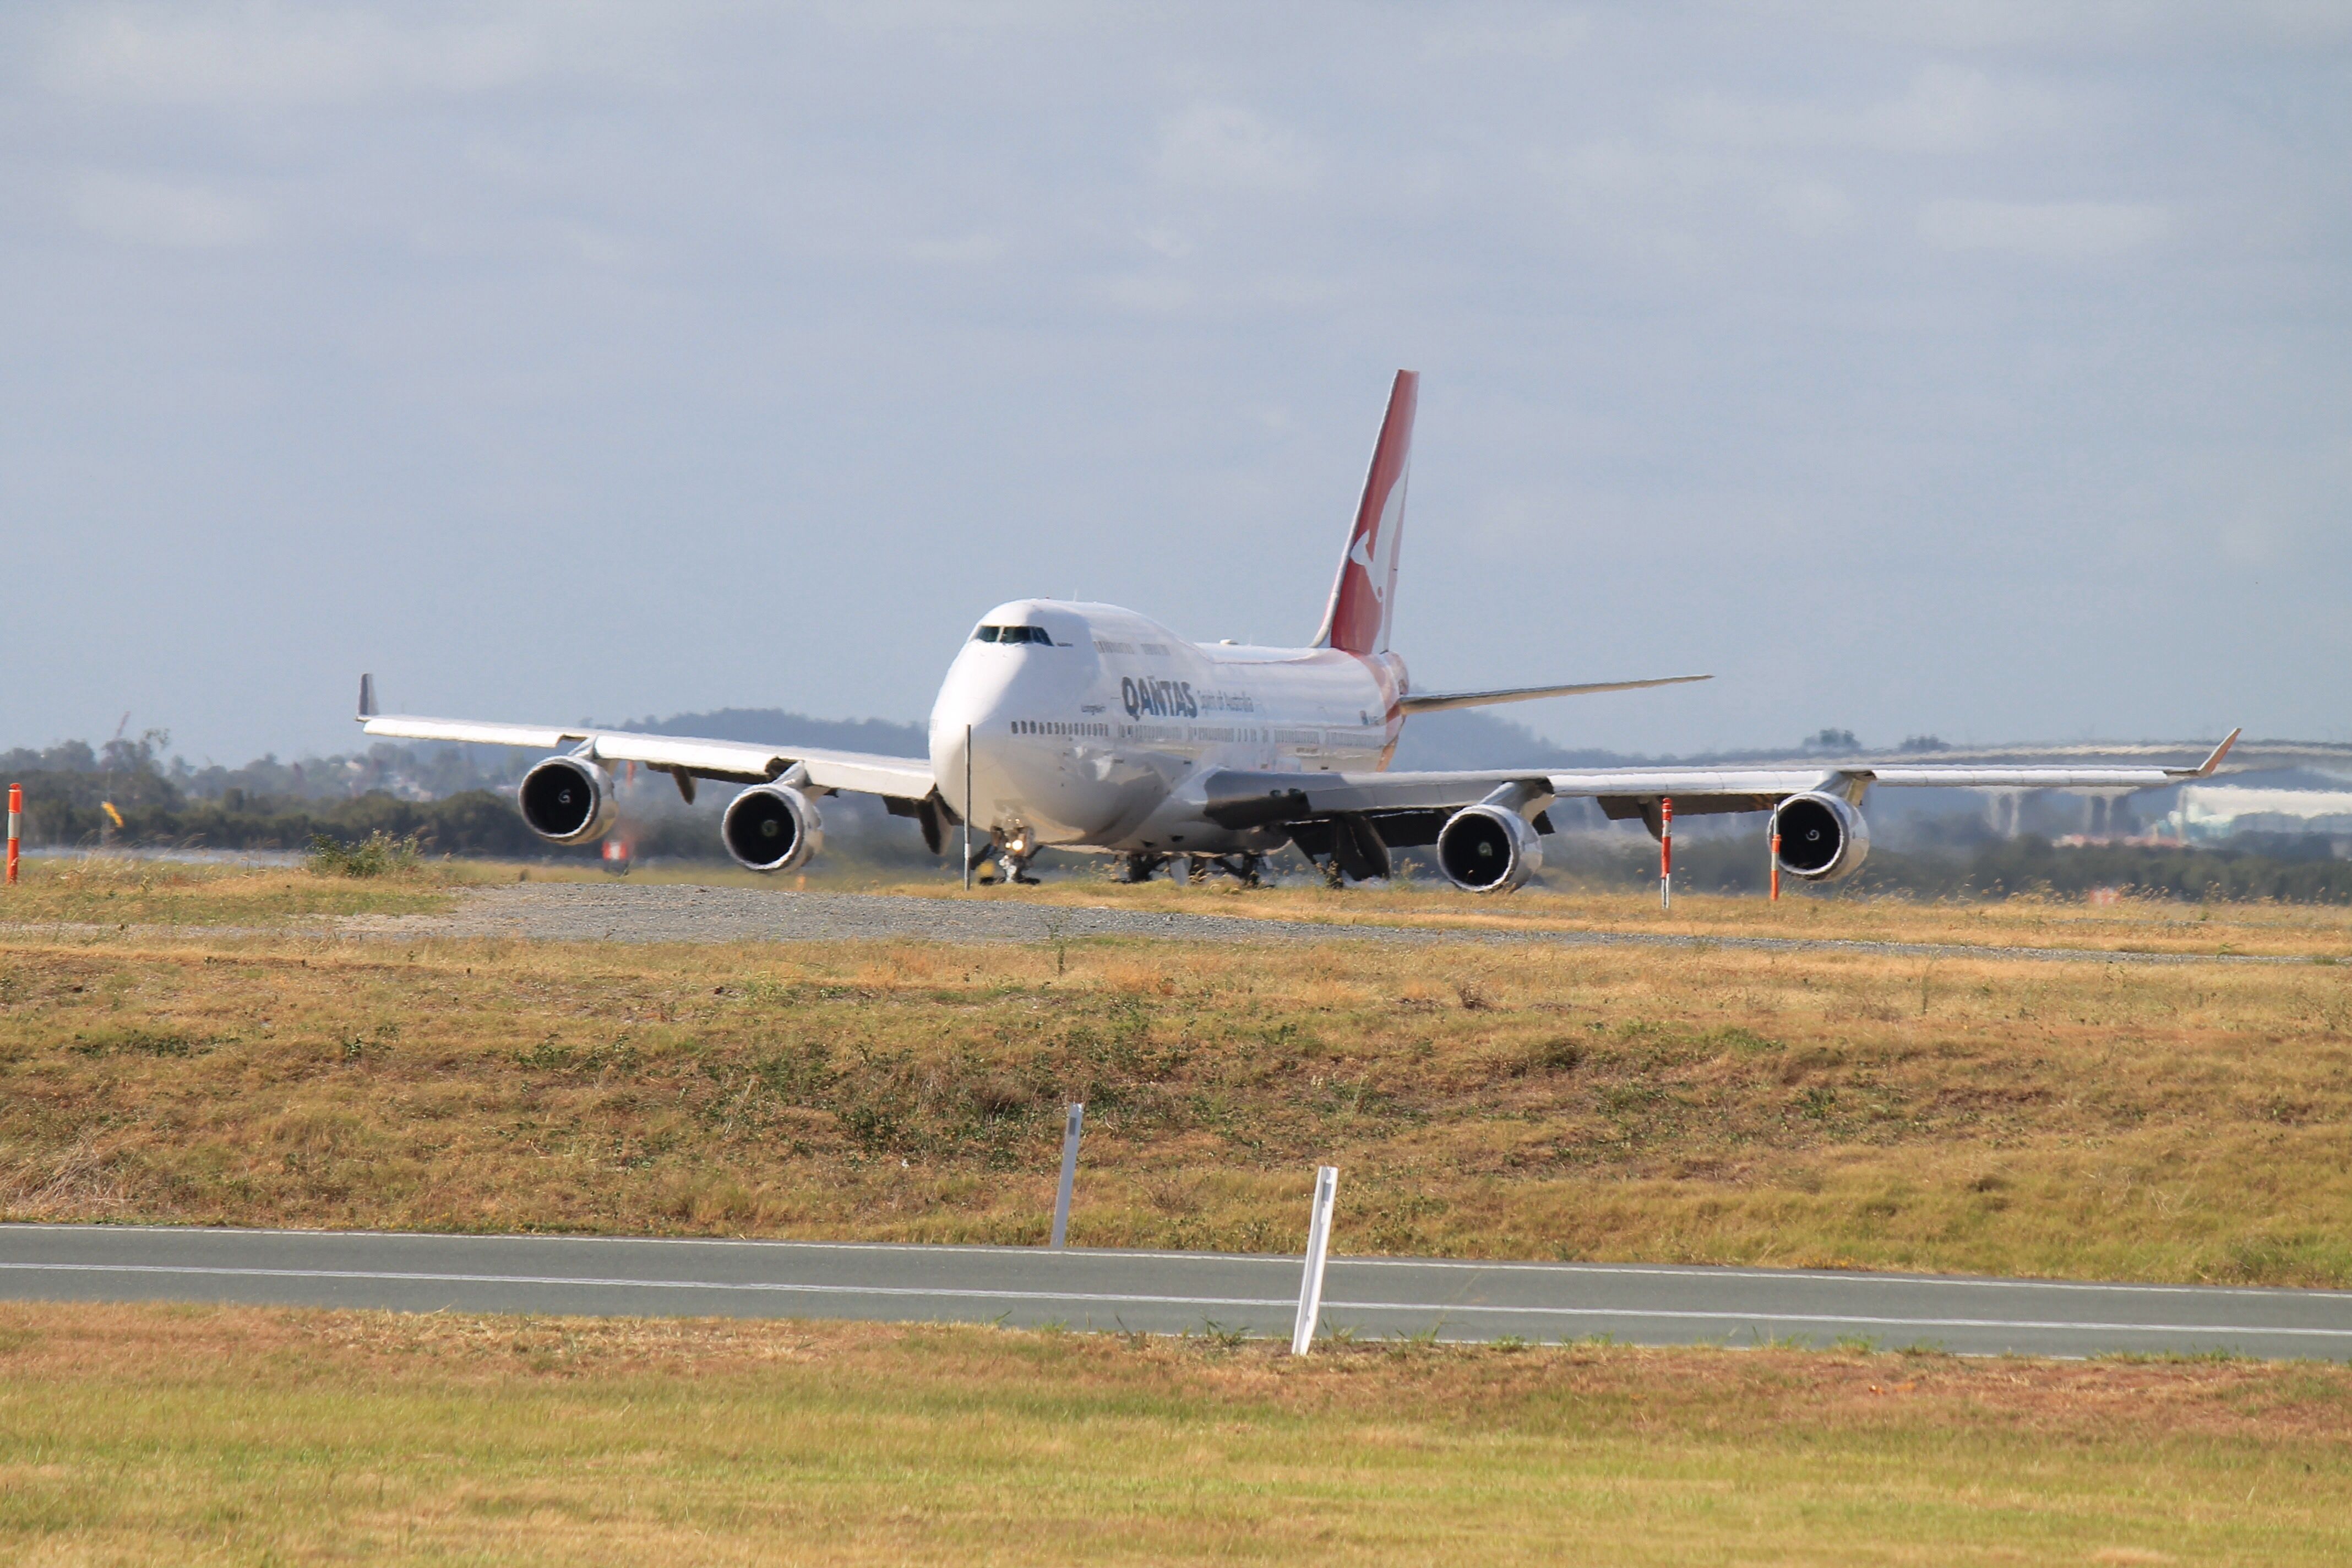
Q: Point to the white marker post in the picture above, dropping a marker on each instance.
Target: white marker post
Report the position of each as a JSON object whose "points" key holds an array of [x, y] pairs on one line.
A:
{"points": [[967, 808], [1075, 1118], [1319, 1251]]}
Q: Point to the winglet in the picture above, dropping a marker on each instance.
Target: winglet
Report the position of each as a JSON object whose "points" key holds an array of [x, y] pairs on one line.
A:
{"points": [[2205, 770], [367, 697]]}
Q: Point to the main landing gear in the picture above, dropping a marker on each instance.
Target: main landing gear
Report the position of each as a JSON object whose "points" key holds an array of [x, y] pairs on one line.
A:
{"points": [[1248, 870]]}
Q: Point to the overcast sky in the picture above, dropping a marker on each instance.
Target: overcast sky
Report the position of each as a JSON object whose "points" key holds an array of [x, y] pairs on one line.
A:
{"points": [[1978, 368]]}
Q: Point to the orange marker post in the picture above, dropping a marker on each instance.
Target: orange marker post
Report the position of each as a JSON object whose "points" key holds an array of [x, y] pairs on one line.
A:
{"points": [[1776, 865], [16, 826], [1665, 852]]}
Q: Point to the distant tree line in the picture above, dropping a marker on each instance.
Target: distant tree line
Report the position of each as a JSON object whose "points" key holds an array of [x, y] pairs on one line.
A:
{"points": [[270, 804], [448, 800]]}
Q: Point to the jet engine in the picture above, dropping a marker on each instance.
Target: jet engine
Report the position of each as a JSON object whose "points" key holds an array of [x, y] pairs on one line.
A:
{"points": [[771, 828], [1488, 849], [1821, 837], [567, 800]]}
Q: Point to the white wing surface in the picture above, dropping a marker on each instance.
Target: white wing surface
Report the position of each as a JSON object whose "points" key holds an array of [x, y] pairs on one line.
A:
{"points": [[1255, 799], [684, 757]]}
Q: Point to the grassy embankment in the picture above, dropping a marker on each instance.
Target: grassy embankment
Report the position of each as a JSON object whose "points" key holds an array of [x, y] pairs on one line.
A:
{"points": [[244, 1435], [2163, 1122]]}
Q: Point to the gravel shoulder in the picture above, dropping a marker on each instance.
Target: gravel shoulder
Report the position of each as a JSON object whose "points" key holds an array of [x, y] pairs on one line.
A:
{"points": [[678, 912]]}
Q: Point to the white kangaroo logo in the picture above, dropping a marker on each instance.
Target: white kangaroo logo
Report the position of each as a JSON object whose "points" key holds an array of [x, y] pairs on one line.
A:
{"points": [[1370, 550], [1361, 553]]}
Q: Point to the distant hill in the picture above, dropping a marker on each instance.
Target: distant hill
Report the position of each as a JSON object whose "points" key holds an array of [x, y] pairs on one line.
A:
{"points": [[775, 727], [1474, 738]]}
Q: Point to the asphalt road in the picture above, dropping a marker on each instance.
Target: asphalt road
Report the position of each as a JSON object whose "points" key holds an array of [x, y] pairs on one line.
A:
{"points": [[1159, 1292]]}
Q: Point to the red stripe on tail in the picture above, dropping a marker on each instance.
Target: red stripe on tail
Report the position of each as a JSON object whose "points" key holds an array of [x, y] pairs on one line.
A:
{"points": [[1364, 595]]}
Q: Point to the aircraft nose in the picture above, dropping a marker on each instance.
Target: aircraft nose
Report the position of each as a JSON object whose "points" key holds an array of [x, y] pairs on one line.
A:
{"points": [[971, 703]]}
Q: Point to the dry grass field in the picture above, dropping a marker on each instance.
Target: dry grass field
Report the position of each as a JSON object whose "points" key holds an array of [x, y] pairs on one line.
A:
{"points": [[242, 1435], [104, 891], [2173, 1122]]}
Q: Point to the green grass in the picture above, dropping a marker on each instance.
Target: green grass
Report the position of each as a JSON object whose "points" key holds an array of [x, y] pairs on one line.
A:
{"points": [[141, 1435]]}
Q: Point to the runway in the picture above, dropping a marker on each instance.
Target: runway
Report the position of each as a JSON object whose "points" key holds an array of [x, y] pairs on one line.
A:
{"points": [[1164, 1293]]}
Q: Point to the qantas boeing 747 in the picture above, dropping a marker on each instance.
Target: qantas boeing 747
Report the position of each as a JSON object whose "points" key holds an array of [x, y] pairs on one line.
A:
{"points": [[1090, 727]]}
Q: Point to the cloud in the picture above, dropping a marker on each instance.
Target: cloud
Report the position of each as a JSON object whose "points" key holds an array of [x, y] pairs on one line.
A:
{"points": [[2055, 231], [159, 212], [1223, 146], [270, 56], [1946, 108], [1149, 294], [1812, 208], [963, 250], [1546, 32], [2105, 25]]}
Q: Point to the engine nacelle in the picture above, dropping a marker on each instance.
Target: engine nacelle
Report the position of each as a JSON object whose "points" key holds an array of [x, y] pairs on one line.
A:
{"points": [[1821, 837], [567, 800], [1488, 849], [771, 828]]}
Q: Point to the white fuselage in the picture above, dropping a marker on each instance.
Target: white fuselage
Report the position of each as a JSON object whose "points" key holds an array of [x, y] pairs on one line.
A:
{"points": [[1099, 739]]}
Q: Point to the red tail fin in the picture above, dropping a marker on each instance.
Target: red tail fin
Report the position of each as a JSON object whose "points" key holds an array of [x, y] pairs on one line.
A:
{"points": [[1364, 594]]}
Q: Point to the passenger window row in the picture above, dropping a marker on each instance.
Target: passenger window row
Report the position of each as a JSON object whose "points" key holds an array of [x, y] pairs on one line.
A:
{"points": [[1053, 726]]}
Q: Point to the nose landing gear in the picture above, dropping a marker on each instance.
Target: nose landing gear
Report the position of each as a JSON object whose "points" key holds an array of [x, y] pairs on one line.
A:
{"points": [[1013, 852]]}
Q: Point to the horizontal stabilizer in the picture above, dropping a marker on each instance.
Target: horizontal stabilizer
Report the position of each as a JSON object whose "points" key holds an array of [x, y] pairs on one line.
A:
{"points": [[1432, 701], [2205, 769]]}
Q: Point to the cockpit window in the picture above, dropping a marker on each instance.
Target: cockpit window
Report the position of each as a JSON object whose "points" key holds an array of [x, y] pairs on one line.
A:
{"points": [[1037, 634], [986, 633]]}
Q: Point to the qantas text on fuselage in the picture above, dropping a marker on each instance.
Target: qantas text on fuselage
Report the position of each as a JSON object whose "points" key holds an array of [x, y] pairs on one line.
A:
{"points": [[1091, 727]]}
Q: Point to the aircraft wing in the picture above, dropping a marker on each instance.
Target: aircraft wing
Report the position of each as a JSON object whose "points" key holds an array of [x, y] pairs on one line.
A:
{"points": [[683, 757], [1237, 799]]}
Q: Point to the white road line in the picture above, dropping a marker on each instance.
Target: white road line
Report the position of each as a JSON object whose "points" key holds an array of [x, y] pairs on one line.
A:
{"points": [[1073, 1256], [974, 1249], [1842, 1276], [592, 1283], [1331, 1307], [1440, 1308]]}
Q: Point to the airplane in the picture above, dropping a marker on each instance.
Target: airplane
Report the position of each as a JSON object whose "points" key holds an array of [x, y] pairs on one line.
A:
{"points": [[1089, 727]]}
